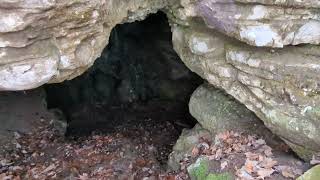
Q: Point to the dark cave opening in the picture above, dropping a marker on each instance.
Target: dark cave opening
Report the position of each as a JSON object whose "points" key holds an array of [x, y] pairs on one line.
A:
{"points": [[139, 85]]}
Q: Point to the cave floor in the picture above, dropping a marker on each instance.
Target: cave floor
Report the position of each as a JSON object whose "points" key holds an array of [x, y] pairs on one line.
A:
{"points": [[130, 154], [137, 148], [133, 144]]}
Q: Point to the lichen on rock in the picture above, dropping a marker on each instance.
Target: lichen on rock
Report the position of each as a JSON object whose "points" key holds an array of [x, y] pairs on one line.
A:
{"points": [[279, 85], [312, 174]]}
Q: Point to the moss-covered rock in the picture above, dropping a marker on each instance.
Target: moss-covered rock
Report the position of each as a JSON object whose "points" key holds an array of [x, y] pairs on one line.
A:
{"points": [[312, 174], [217, 112], [184, 145], [200, 170]]}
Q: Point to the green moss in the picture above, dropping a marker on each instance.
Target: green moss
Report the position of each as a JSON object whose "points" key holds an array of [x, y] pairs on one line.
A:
{"points": [[222, 176], [172, 16], [200, 172], [312, 174], [302, 152]]}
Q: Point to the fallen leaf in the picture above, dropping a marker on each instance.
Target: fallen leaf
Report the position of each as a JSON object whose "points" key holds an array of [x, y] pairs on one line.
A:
{"points": [[267, 150], [218, 154], [3, 176], [17, 178], [268, 163], [170, 177], [49, 168], [249, 165], [260, 142], [224, 135], [17, 168], [252, 156], [224, 165], [84, 176], [141, 162], [244, 175], [286, 171], [287, 174], [263, 173], [195, 152]]}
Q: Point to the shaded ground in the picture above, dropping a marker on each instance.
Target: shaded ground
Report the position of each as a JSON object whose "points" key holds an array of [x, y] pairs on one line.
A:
{"points": [[126, 155], [150, 116], [20, 112], [136, 148], [109, 142], [133, 154], [234, 155]]}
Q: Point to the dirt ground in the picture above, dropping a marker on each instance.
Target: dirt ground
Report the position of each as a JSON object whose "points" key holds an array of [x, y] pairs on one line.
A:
{"points": [[136, 148], [21, 112], [133, 144]]}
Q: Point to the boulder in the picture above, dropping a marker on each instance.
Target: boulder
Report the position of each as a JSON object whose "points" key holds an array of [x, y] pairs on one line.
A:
{"points": [[200, 170], [279, 85], [311, 174], [218, 112], [184, 145]]}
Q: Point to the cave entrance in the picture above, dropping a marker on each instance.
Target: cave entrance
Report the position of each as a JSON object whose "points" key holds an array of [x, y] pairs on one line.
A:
{"points": [[138, 86]]}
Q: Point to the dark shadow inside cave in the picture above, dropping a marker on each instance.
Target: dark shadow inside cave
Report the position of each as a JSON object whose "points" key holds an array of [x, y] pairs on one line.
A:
{"points": [[138, 83]]}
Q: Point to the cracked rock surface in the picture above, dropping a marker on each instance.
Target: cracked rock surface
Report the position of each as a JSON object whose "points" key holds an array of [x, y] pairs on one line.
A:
{"points": [[281, 85], [55, 40]]}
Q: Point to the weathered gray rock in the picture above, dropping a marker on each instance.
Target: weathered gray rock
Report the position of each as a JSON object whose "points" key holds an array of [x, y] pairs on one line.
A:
{"points": [[55, 40], [312, 174], [257, 22], [201, 170], [186, 142], [280, 85], [218, 112]]}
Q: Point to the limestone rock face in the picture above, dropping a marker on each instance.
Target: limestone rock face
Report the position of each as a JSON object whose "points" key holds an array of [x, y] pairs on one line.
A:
{"points": [[54, 40], [258, 22], [280, 85]]}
